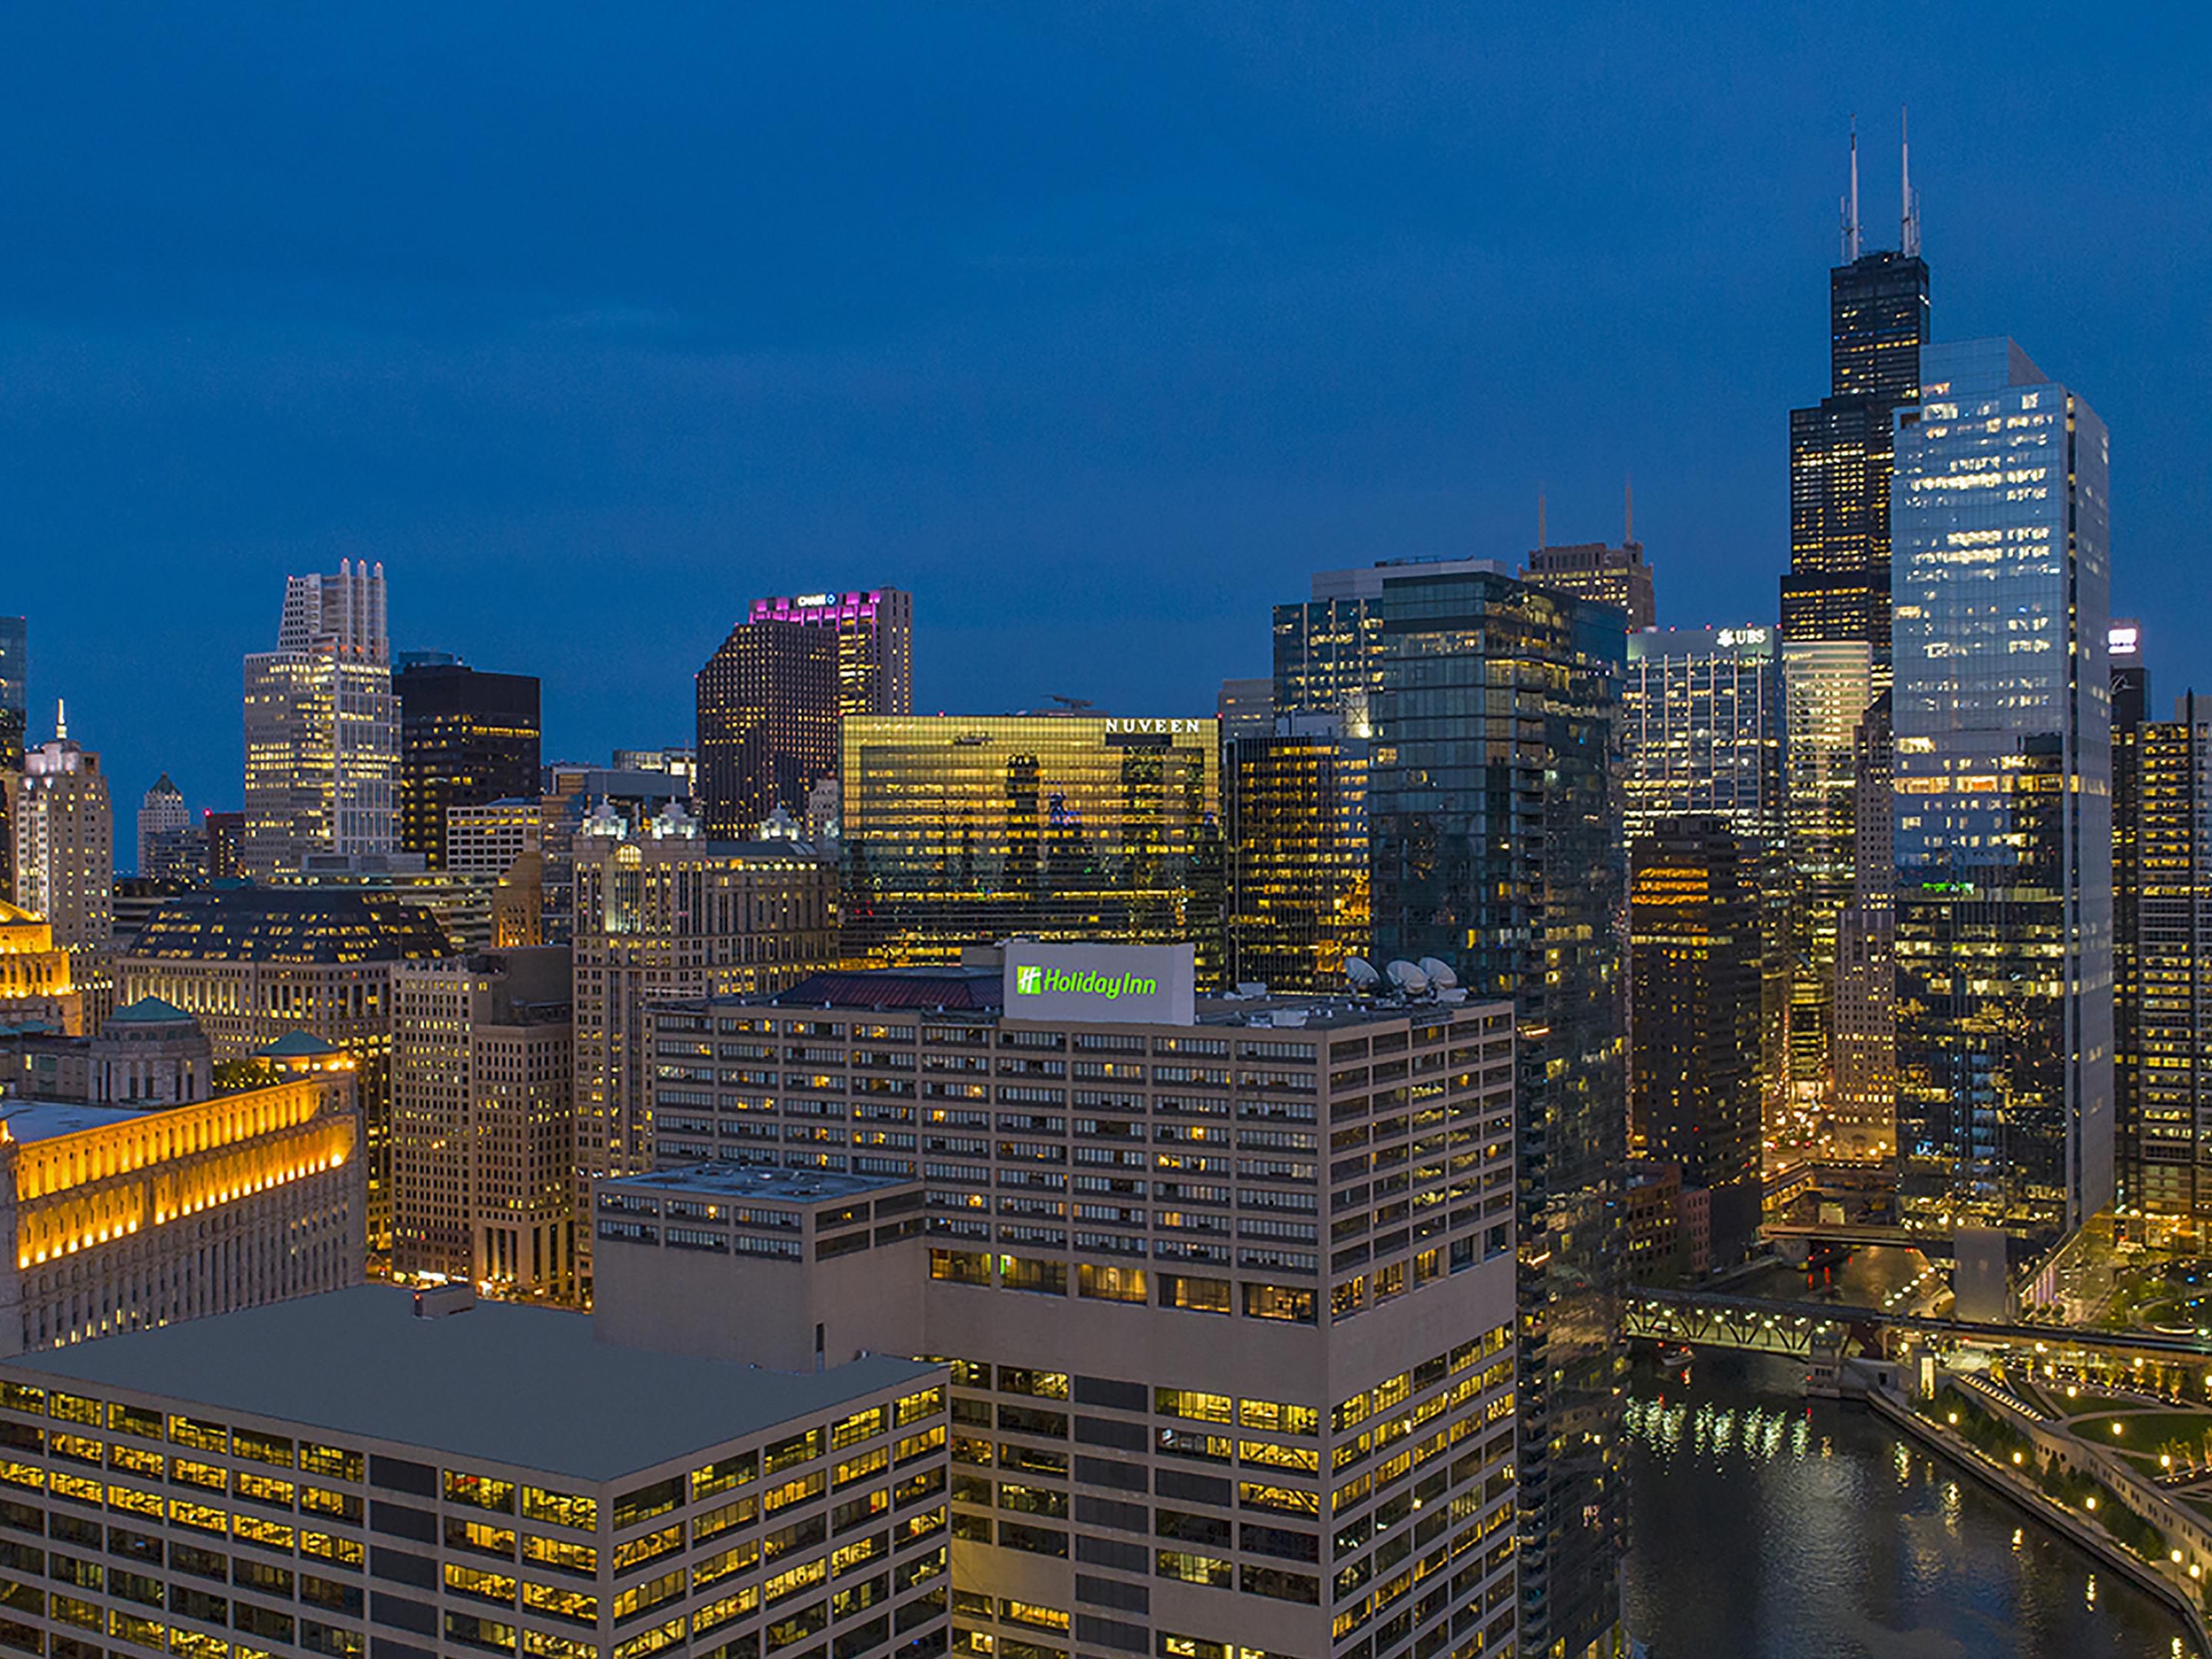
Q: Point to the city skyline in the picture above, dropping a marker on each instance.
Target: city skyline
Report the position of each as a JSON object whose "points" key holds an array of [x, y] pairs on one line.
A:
{"points": [[1277, 357]]}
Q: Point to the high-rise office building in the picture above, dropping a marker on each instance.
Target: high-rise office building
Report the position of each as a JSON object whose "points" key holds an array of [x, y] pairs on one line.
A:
{"points": [[169, 847], [1601, 573], [465, 738], [1246, 709], [1826, 686], [961, 831], [483, 1120], [1496, 850], [259, 966], [1840, 450], [1701, 728], [2162, 880], [1861, 1107], [768, 706], [662, 913], [483, 841], [322, 725], [1294, 805], [14, 727], [65, 845], [1329, 651], [1698, 947], [226, 845], [2003, 795], [873, 634], [638, 1482], [1215, 1392]]}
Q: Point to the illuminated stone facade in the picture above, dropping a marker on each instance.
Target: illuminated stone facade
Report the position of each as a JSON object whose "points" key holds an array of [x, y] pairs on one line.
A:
{"points": [[35, 988], [113, 1219]]}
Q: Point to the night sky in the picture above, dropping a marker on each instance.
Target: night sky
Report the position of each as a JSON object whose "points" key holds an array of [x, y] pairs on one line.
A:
{"points": [[1100, 329]]}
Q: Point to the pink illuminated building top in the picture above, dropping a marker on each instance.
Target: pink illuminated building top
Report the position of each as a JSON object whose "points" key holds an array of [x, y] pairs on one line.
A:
{"points": [[875, 642]]}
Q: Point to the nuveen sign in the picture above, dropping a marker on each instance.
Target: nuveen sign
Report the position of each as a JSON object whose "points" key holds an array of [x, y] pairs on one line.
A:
{"points": [[1152, 984]]}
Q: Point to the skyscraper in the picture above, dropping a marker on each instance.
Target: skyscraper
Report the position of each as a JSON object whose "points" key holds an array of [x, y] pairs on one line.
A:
{"points": [[1294, 804], [168, 849], [1617, 576], [768, 708], [1329, 651], [65, 845], [1702, 718], [465, 738], [14, 712], [1699, 950], [1862, 1110], [2163, 885], [1826, 686], [322, 725], [873, 635], [1494, 820], [2004, 781], [1840, 450], [961, 831]]}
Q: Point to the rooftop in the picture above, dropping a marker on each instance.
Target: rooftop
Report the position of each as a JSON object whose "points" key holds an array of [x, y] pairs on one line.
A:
{"points": [[528, 1387], [47, 1120], [745, 1181], [150, 1010], [965, 988], [290, 924]]}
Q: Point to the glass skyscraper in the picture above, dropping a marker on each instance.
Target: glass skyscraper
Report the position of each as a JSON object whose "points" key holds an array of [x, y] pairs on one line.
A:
{"points": [[14, 707], [1494, 815], [2004, 796], [1295, 804], [961, 831]]}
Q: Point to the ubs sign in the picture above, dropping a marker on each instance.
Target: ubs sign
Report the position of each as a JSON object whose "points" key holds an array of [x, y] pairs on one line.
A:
{"points": [[1123, 984]]}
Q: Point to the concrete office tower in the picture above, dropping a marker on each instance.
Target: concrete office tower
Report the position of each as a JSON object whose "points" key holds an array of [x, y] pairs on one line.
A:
{"points": [[664, 1504], [322, 725], [1602, 575], [1294, 804], [15, 726], [245, 1198], [1504, 861], [1329, 651], [1702, 726], [170, 847], [484, 841], [1214, 1390], [257, 965], [1841, 450], [2163, 878], [465, 738], [664, 914], [1698, 950], [873, 634], [1862, 1114], [226, 845], [2003, 777], [483, 1121], [961, 831], [65, 845], [768, 710], [1246, 709], [1827, 685]]}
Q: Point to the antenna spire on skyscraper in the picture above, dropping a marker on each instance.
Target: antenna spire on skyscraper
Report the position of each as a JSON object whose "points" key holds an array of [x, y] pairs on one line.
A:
{"points": [[1852, 201], [1909, 235]]}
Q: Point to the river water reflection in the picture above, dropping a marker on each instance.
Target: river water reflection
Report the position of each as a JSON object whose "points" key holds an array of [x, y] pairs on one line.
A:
{"points": [[1765, 1526]]}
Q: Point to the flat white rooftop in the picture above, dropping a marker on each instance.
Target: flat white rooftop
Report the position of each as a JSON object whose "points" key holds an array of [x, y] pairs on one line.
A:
{"points": [[43, 1120]]}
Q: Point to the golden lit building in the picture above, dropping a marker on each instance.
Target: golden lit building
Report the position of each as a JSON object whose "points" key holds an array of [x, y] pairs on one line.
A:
{"points": [[962, 830], [1295, 802], [113, 1218], [35, 976]]}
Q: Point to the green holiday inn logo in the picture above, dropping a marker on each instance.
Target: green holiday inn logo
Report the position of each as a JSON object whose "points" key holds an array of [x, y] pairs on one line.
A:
{"points": [[1032, 981]]}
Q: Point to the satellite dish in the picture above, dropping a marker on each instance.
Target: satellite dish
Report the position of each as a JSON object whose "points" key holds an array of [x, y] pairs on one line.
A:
{"points": [[1407, 978], [1361, 972], [1440, 973]]}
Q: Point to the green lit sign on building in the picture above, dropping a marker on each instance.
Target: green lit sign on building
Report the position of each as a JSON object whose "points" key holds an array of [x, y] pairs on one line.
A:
{"points": [[1147, 984]]}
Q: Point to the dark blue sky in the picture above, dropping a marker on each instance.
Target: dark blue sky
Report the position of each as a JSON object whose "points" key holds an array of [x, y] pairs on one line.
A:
{"points": [[1099, 329]]}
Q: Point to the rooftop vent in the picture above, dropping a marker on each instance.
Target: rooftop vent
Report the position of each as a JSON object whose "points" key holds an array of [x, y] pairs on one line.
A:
{"points": [[438, 1301]]}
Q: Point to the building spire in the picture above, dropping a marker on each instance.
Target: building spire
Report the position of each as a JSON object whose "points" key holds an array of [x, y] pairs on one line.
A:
{"points": [[1850, 204], [1909, 235]]}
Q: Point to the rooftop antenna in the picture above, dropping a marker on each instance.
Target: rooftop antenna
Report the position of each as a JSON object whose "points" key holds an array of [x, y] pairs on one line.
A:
{"points": [[1852, 201], [1909, 237], [61, 719]]}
